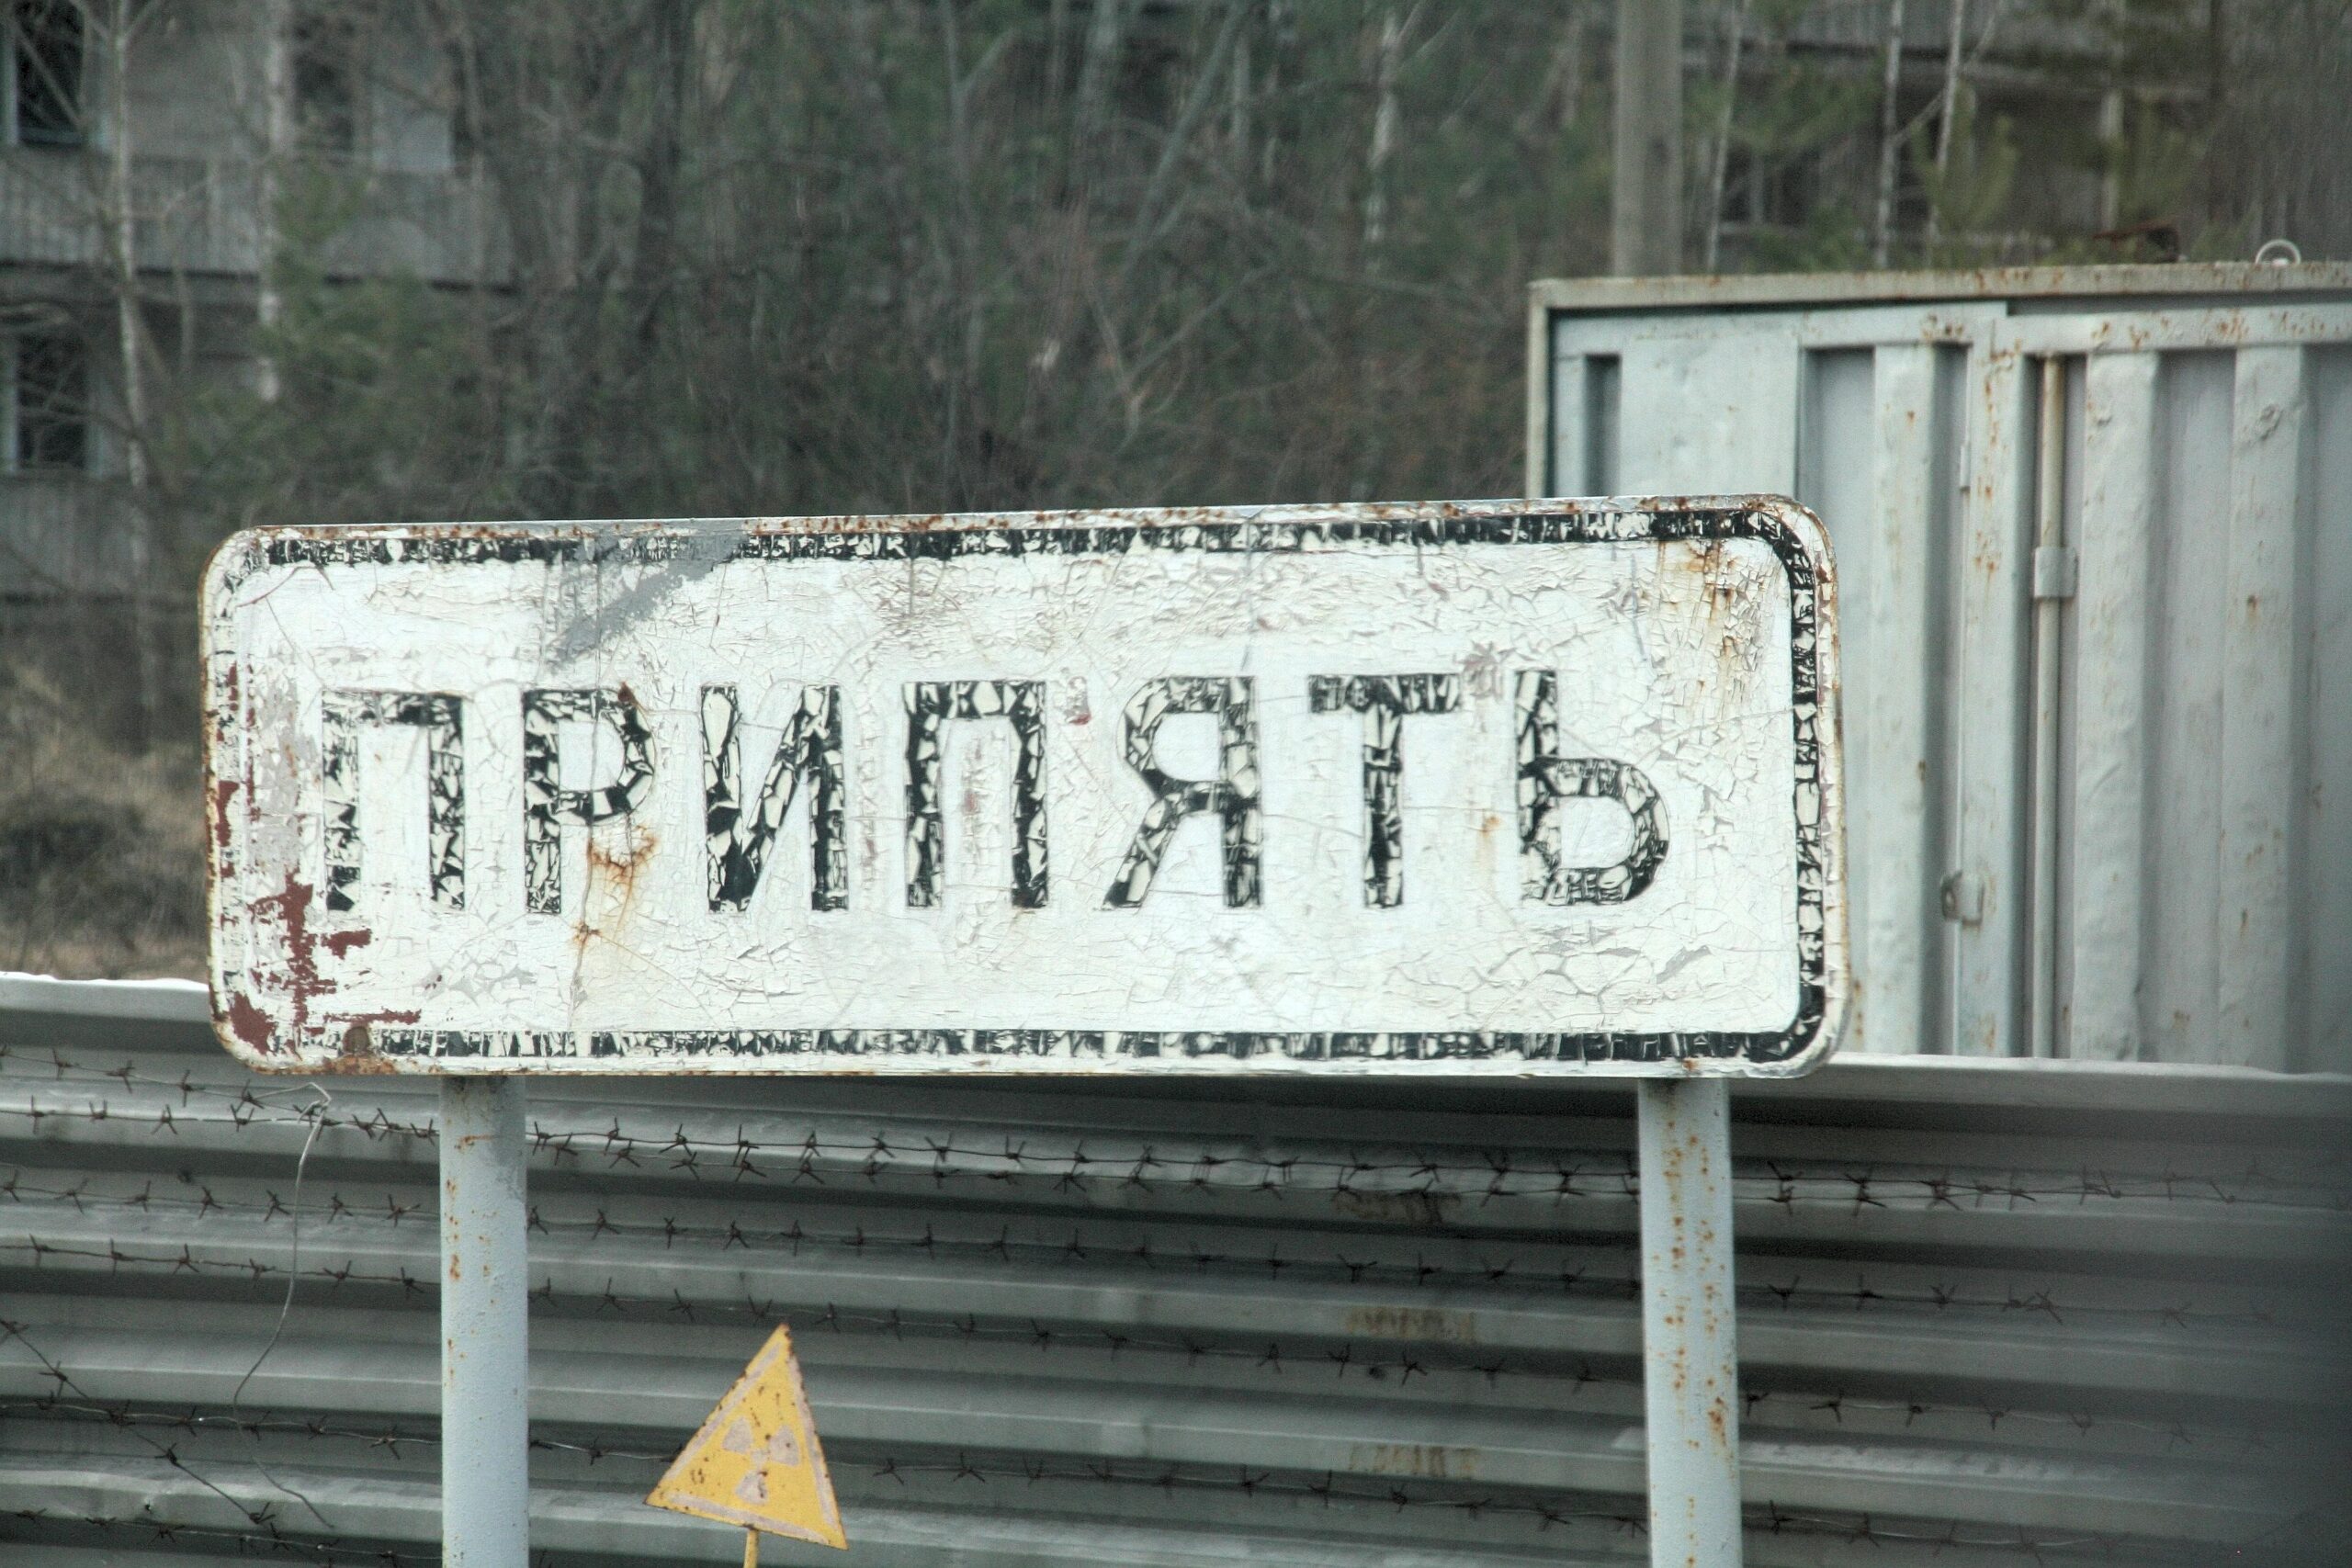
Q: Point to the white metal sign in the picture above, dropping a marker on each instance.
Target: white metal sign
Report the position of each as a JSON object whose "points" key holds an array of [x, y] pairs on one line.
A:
{"points": [[1519, 787]]}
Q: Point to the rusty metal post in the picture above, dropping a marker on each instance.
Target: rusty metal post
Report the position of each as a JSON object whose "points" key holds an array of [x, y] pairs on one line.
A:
{"points": [[485, 1300], [1689, 1340]]}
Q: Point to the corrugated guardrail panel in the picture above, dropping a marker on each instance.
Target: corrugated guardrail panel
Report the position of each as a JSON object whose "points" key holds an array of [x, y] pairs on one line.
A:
{"points": [[1988, 1317]]}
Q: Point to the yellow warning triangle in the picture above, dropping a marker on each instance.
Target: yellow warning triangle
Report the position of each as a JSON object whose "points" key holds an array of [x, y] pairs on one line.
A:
{"points": [[756, 1462]]}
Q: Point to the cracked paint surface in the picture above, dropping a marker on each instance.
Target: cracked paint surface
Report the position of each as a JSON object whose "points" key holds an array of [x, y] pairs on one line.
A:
{"points": [[343, 713], [1512, 787], [929, 704], [808, 752]]}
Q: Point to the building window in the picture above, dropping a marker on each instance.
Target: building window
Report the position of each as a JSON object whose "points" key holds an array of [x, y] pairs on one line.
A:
{"points": [[49, 403], [465, 136], [45, 43], [327, 83]]}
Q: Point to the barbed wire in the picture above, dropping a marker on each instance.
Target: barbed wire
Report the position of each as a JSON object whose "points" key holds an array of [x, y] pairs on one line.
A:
{"points": [[1342, 1359], [53, 1370], [826, 1156], [195, 1421], [1504, 1269], [874, 1154], [876, 1464], [1358, 1261], [1494, 1175], [1328, 1487], [70, 1400], [324, 1550]]}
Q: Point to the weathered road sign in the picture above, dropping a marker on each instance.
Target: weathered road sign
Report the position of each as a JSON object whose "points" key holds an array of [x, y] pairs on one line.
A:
{"points": [[1491, 787]]}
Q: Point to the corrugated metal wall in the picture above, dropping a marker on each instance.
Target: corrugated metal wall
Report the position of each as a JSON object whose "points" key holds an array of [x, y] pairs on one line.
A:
{"points": [[1991, 1314], [2203, 889]]}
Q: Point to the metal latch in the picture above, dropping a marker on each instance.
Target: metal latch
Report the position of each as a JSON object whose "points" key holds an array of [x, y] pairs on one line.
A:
{"points": [[1963, 897], [2055, 571]]}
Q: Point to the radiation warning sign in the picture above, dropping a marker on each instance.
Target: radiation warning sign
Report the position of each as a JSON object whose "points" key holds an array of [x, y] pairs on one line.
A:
{"points": [[756, 1461]]}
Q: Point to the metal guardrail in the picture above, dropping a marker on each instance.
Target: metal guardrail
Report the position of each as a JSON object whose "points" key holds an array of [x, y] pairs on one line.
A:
{"points": [[1991, 1314]]}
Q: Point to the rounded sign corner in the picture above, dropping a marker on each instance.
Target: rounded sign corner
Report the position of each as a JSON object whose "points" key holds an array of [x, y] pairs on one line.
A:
{"points": [[232, 560], [1829, 1032], [1810, 534]]}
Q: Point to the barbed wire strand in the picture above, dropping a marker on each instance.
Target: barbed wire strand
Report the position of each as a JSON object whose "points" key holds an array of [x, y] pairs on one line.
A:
{"points": [[874, 1155], [1494, 1268]]}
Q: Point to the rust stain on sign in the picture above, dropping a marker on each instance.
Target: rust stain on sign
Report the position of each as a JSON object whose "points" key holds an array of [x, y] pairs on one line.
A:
{"points": [[613, 883]]}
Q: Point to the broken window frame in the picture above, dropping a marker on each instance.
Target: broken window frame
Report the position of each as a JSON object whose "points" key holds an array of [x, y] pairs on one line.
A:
{"points": [[59, 71], [47, 434], [324, 52]]}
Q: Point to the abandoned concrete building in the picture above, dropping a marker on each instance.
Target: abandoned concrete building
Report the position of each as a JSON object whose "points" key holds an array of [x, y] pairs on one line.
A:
{"points": [[151, 150]]}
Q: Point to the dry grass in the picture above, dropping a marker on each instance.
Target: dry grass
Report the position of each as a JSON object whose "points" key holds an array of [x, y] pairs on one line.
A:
{"points": [[101, 851]]}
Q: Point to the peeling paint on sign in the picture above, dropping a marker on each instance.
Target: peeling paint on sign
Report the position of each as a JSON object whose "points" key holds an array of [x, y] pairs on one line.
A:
{"points": [[756, 1461], [1509, 787]]}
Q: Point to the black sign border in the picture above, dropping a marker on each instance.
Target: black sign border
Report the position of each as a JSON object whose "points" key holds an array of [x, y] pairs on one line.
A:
{"points": [[1032, 1050]]}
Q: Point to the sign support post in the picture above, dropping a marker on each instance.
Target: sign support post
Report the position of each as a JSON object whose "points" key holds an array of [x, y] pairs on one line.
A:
{"points": [[485, 1308], [1690, 1347]]}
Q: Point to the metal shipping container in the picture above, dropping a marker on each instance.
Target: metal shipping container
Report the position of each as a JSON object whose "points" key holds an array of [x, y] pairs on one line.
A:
{"points": [[2094, 528]]}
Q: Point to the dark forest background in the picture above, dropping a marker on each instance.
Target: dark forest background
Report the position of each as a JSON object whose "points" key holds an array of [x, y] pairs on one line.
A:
{"points": [[893, 255]]}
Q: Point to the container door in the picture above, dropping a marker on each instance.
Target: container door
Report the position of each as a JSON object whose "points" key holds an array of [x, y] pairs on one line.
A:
{"points": [[1866, 416], [2202, 878]]}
